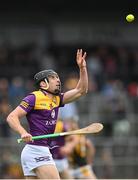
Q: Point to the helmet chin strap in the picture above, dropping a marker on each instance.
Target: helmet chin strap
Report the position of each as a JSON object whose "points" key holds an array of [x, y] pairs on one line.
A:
{"points": [[47, 84], [46, 88]]}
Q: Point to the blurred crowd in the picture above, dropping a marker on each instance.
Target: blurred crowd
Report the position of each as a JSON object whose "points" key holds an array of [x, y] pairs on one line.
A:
{"points": [[105, 62]]}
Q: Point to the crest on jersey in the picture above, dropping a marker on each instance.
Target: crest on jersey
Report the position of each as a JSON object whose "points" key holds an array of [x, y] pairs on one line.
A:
{"points": [[53, 113]]}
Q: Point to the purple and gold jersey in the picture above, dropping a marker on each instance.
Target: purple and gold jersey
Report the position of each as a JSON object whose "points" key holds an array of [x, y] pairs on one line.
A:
{"points": [[42, 113], [58, 142]]}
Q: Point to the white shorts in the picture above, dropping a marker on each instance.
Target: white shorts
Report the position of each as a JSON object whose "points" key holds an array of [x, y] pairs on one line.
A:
{"points": [[61, 164], [33, 156]]}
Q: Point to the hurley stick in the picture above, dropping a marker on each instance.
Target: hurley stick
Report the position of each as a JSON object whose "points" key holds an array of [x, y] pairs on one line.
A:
{"points": [[91, 129]]}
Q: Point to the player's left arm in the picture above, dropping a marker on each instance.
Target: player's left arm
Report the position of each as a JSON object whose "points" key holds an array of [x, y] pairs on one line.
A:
{"points": [[82, 85]]}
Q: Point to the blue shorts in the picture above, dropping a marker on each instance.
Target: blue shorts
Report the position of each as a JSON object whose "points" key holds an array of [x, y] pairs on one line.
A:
{"points": [[33, 156]]}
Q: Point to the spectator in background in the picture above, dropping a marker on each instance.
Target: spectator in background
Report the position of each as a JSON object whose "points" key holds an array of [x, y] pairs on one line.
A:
{"points": [[16, 90], [107, 159], [133, 93], [4, 53], [124, 67], [133, 89], [110, 66], [4, 88], [29, 85], [10, 167], [95, 69], [5, 109], [115, 99], [134, 69]]}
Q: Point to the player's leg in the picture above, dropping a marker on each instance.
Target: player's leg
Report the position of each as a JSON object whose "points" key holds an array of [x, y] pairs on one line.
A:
{"points": [[47, 172], [38, 161]]}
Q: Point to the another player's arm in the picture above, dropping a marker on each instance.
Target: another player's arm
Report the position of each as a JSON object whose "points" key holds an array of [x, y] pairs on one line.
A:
{"points": [[82, 85], [90, 151], [69, 146], [13, 120]]}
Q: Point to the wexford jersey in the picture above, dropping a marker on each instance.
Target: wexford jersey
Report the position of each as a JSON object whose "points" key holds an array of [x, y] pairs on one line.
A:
{"points": [[42, 113], [58, 142]]}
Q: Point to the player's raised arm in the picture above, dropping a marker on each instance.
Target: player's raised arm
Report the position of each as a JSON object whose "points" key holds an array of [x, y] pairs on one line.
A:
{"points": [[82, 85]]}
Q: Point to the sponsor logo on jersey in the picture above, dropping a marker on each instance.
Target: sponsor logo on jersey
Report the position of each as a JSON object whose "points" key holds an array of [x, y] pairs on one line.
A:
{"points": [[50, 123]]}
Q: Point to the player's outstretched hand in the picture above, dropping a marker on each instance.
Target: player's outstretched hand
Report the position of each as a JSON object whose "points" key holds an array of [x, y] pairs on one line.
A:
{"points": [[80, 58]]}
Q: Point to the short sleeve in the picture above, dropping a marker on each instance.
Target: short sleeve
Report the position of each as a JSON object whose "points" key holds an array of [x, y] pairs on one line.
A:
{"points": [[61, 100], [28, 103]]}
